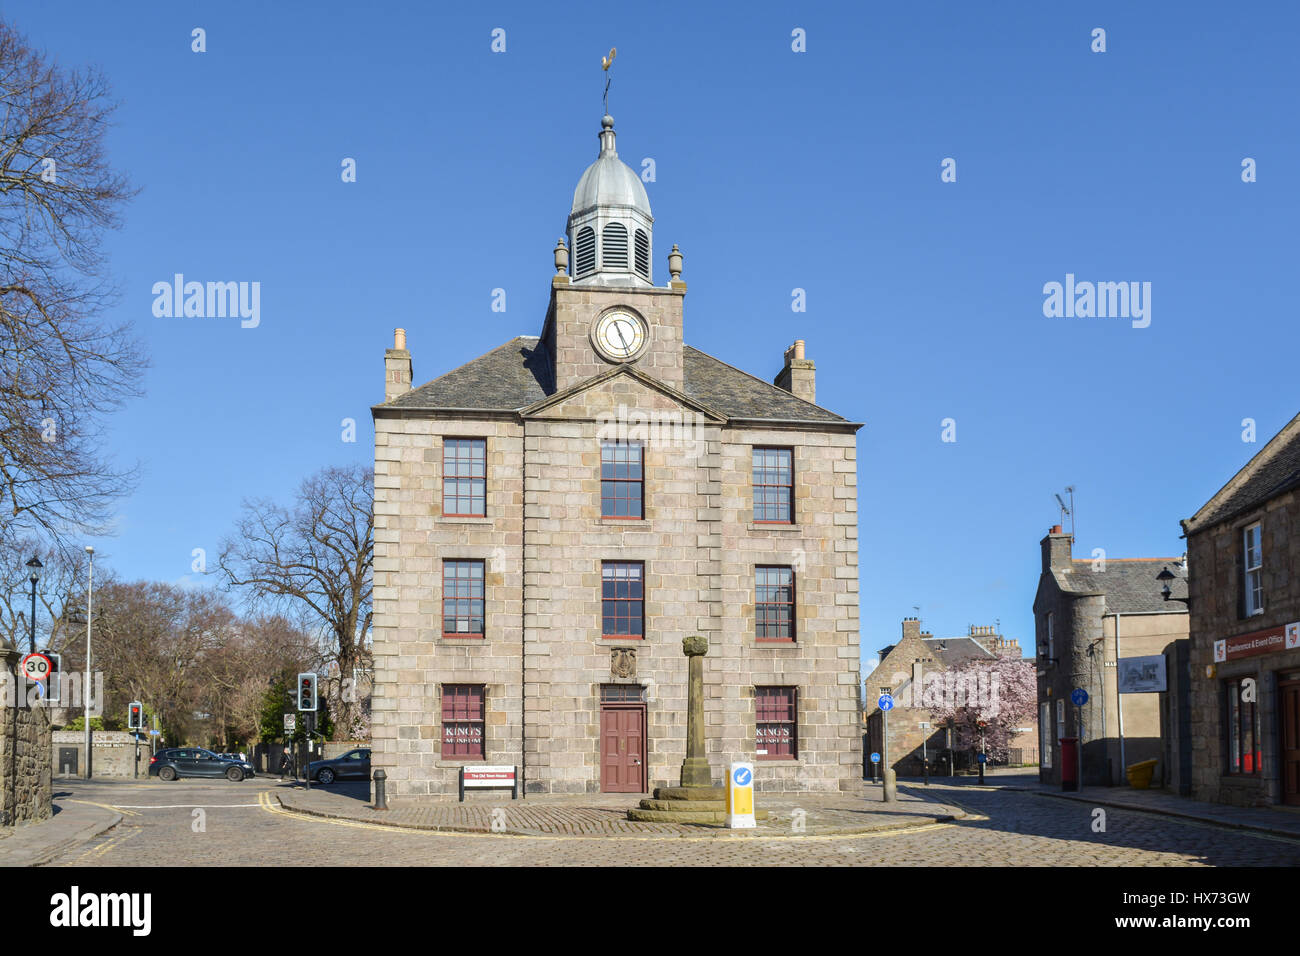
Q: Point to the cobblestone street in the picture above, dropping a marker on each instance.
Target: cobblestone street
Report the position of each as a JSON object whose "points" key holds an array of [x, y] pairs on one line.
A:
{"points": [[244, 825]]}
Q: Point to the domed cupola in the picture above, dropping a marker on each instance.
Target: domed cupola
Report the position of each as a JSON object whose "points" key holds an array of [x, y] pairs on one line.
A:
{"points": [[610, 228]]}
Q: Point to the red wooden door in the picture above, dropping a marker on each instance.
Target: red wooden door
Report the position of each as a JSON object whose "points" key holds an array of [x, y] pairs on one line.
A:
{"points": [[622, 748], [1289, 718]]}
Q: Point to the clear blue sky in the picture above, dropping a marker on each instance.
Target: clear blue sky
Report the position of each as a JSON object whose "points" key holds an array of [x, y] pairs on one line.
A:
{"points": [[775, 170]]}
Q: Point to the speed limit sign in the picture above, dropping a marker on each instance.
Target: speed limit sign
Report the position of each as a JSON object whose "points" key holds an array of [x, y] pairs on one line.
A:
{"points": [[36, 667]]}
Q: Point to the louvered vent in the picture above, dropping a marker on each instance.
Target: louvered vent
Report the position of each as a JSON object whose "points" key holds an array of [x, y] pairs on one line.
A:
{"points": [[585, 247], [642, 254], [613, 249]]}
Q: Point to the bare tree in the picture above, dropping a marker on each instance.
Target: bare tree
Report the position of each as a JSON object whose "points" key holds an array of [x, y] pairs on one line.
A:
{"points": [[314, 558], [61, 367]]}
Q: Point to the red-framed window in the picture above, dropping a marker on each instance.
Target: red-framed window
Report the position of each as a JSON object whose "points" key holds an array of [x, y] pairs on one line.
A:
{"points": [[776, 723], [462, 721], [774, 603], [622, 483], [1243, 731], [774, 485], [622, 599], [464, 477], [462, 598]]}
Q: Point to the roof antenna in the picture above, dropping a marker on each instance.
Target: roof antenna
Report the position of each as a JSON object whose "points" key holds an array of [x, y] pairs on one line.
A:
{"points": [[605, 63], [1067, 509]]}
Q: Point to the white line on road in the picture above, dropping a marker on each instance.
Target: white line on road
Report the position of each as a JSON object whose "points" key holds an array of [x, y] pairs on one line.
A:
{"points": [[183, 806]]}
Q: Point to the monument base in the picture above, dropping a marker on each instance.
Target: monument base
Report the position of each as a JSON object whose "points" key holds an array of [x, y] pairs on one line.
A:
{"points": [[686, 805], [696, 772]]}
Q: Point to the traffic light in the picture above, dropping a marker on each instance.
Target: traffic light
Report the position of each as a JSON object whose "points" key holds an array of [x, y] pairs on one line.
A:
{"points": [[135, 716], [54, 682], [306, 691]]}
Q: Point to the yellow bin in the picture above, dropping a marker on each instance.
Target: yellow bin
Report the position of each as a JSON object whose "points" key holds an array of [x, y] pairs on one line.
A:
{"points": [[1139, 774]]}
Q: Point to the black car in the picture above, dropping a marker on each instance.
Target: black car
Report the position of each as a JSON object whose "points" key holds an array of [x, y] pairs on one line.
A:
{"points": [[353, 765], [173, 762]]}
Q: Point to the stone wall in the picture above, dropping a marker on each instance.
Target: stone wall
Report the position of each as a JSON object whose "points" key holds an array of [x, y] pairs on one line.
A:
{"points": [[114, 752], [26, 789]]}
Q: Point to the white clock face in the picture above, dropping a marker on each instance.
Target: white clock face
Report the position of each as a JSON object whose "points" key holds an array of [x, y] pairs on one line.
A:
{"points": [[620, 335]]}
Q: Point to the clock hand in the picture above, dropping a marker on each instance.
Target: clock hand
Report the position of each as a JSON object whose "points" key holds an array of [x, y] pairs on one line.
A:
{"points": [[618, 327]]}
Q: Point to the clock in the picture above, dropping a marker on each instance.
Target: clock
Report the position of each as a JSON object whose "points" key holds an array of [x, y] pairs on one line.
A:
{"points": [[620, 336]]}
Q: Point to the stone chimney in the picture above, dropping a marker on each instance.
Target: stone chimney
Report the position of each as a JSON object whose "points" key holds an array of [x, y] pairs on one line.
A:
{"points": [[799, 377], [911, 627], [1056, 550], [397, 367]]}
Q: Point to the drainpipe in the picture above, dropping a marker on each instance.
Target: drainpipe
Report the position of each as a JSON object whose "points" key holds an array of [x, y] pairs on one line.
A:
{"points": [[523, 616], [1119, 701]]}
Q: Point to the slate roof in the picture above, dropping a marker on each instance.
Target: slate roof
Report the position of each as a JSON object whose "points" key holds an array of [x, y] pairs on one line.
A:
{"points": [[1276, 469], [511, 376], [1129, 584], [518, 374], [957, 650]]}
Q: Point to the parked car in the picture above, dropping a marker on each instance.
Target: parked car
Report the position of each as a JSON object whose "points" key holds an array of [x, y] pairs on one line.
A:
{"points": [[174, 762], [353, 765]]}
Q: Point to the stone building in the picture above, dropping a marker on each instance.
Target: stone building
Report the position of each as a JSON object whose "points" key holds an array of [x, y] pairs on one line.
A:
{"points": [[1243, 549], [554, 517], [1093, 617], [913, 734]]}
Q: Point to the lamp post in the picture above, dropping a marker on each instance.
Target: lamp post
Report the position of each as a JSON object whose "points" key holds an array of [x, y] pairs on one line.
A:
{"points": [[90, 585], [35, 565]]}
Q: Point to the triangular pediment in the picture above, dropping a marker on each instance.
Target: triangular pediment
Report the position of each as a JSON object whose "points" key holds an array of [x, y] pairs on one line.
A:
{"points": [[621, 385]]}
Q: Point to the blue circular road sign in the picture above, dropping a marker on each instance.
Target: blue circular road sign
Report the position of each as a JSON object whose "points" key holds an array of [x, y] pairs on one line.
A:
{"points": [[742, 776], [1079, 697], [886, 702], [875, 758]]}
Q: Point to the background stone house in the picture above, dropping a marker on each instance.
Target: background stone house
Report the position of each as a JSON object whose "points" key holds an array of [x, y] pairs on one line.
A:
{"points": [[913, 735], [1243, 550], [552, 518], [1089, 614]]}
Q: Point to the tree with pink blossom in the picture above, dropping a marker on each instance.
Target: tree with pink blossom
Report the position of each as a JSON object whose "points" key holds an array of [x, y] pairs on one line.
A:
{"points": [[985, 699]]}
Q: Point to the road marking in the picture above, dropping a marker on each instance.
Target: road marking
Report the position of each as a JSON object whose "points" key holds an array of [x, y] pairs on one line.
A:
{"points": [[105, 806], [183, 806], [811, 837]]}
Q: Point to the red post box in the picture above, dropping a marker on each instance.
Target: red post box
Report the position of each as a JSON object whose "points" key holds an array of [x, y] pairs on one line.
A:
{"points": [[1069, 763]]}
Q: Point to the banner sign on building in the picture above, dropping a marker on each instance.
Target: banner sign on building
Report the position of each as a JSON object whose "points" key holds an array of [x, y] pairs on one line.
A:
{"points": [[1257, 642], [1142, 675]]}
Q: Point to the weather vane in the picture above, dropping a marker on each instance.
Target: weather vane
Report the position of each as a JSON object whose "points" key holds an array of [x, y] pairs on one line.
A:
{"points": [[605, 63]]}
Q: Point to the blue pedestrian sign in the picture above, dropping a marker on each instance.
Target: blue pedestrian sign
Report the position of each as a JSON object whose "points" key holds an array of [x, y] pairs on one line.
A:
{"points": [[886, 702], [875, 758], [743, 776], [983, 758], [1079, 697]]}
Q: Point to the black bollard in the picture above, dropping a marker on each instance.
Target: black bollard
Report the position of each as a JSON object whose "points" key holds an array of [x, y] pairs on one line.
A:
{"points": [[381, 796]]}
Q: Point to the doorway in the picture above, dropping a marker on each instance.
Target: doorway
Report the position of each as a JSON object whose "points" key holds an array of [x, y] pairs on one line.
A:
{"points": [[1288, 712], [622, 739]]}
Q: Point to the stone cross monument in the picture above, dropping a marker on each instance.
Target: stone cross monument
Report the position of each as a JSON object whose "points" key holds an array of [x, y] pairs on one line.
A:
{"points": [[695, 768]]}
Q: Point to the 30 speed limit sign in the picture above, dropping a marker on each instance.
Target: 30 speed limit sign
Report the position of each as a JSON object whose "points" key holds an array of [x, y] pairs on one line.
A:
{"points": [[36, 667]]}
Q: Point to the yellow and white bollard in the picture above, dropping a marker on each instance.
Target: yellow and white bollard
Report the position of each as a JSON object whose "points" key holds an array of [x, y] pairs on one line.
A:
{"points": [[740, 796]]}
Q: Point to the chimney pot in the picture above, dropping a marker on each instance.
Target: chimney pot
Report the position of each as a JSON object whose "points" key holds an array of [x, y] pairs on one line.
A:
{"points": [[399, 339]]}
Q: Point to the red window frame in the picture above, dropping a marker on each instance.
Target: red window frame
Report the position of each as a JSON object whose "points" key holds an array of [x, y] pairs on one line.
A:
{"points": [[774, 603], [1242, 746], [622, 600], [776, 723], [464, 477], [463, 725], [773, 479], [463, 597], [622, 480]]}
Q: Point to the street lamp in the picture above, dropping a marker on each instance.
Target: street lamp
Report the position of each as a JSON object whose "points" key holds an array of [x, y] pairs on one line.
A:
{"points": [[90, 585], [1165, 577], [35, 566]]}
